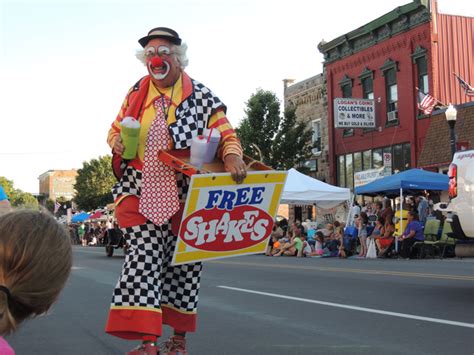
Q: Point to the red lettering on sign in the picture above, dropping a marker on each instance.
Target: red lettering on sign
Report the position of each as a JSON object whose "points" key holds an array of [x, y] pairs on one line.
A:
{"points": [[222, 230]]}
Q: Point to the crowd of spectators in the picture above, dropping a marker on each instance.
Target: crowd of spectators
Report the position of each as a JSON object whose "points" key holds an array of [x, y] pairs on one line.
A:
{"points": [[90, 233], [372, 223]]}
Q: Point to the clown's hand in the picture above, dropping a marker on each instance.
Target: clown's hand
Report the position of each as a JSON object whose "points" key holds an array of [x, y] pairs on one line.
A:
{"points": [[118, 147], [236, 167]]}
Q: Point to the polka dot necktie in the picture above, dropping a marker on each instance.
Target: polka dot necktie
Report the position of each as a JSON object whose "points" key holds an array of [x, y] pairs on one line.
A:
{"points": [[159, 194]]}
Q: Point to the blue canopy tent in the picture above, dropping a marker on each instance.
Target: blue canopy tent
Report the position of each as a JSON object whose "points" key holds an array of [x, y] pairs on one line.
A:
{"points": [[406, 182], [80, 217]]}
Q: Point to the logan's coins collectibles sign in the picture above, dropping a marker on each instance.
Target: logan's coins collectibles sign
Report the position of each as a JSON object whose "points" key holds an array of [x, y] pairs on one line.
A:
{"points": [[354, 113], [223, 219]]}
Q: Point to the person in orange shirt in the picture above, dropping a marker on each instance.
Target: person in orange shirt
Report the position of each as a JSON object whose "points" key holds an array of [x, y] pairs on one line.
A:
{"points": [[172, 109]]}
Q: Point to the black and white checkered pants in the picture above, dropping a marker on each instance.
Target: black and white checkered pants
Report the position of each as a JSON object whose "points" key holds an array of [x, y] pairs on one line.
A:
{"points": [[148, 279]]}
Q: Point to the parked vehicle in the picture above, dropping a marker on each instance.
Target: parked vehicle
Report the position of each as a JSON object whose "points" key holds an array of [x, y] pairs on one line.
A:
{"points": [[460, 208]]}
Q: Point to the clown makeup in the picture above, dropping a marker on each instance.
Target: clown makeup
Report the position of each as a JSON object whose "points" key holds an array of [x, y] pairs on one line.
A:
{"points": [[162, 51], [162, 62], [158, 67]]}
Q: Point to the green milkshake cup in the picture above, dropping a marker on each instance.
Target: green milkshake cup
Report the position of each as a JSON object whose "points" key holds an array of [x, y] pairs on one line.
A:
{"points": [[130, 134]]}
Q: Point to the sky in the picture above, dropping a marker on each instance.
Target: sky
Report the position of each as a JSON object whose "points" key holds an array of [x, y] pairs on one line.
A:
{"points": [[66, 65]]}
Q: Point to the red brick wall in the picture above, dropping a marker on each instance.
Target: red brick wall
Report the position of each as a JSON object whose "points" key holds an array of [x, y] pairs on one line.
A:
{"points": [[399, 48]]}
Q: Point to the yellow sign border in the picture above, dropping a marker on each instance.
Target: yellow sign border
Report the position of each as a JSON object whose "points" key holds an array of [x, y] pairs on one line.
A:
{"points": [[278, 178]]}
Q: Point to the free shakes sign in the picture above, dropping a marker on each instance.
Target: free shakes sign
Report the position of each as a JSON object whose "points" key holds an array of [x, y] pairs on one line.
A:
{"points": [[354, 113], [223, 219]]}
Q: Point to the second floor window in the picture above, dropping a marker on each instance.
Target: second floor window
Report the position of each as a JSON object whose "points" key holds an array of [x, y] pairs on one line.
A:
{"points": [[422, 68], [392, 95], [368, 93], [368, 88], [346, 93]]}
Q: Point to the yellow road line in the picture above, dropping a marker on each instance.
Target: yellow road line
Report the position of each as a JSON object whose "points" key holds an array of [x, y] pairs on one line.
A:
{"points": [[357, 271]]}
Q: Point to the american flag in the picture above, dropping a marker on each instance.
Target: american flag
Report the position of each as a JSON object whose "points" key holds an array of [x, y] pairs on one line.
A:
{"points": [[468, 89], [57, 206], [427, 103]]}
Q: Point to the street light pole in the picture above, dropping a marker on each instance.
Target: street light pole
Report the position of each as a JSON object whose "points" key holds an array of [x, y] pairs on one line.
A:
{"points": [[451, 114]]}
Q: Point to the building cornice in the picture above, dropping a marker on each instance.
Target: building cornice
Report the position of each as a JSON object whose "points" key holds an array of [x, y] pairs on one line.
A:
{"points": [[401, 19]]}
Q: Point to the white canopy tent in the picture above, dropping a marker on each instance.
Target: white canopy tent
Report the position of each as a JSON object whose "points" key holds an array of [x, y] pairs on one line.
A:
{"points": [[301, 189]]}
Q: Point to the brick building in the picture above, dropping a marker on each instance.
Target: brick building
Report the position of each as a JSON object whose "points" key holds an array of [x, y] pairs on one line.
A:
{"points": [[57, 183], [309, 99], [386, 60]]}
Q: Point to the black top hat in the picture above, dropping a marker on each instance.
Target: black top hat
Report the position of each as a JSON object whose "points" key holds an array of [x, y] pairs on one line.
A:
{"points": [[161, 32]]}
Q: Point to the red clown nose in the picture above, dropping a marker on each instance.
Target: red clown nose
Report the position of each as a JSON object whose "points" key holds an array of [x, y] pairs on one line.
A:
{"points": [[156, 62]]}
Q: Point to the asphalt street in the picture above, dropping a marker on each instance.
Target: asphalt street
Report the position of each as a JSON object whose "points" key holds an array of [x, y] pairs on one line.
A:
{"points": [[268, 305]]}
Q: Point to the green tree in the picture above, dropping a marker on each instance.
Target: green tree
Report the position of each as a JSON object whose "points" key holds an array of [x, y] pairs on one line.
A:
{"points": [[94, 182], [292, 144], [7, 186], [49, 205], [17, 197], [24, 199], [284, 142], [260, 125]]}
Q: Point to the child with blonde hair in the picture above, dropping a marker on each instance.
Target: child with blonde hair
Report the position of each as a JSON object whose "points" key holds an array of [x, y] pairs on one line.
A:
{"points": [[35, 261]]}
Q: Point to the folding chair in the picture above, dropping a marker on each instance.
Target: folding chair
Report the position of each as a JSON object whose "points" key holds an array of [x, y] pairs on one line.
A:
{"points": [[446, 239], [431, 236]]}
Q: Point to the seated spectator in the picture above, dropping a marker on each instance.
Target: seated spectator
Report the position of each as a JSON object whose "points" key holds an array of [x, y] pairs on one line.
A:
{"points": [[287, 237], [306, 248], [384, 242], [387, 211], [36, 258], [413, 233], [378, 208], [361, 225], [332, 242], [93, 241], [327, 231], [378, 231], [319, 245], [339, 237], [276, 235], [294, 246], [310, 235], [277, 245]]}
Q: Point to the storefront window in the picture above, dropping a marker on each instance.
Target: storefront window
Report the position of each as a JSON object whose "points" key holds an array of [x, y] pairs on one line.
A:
{"points": [[341, 171], [357, 162], [349, 171], [367, 160], [397, 158], [377, 159], [406, 156]]}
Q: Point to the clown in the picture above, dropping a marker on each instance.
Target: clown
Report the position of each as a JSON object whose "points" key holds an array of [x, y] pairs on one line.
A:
{"points": [[172, 109]]}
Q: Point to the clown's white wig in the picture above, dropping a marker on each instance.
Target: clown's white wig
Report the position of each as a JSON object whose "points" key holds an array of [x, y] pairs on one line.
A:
{"points": [[180, 52]]}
